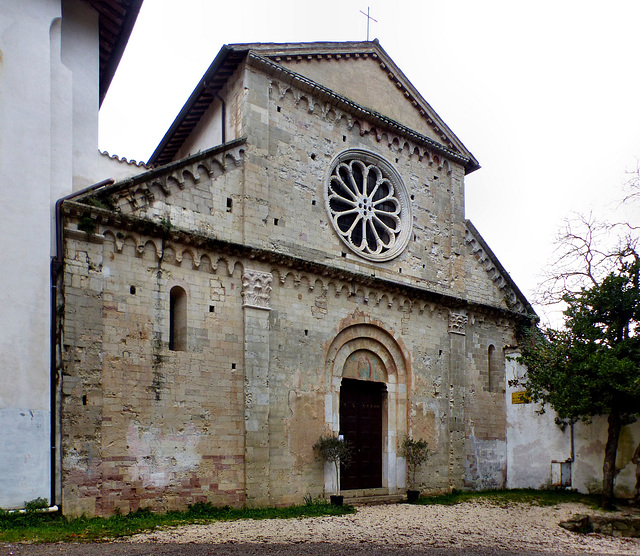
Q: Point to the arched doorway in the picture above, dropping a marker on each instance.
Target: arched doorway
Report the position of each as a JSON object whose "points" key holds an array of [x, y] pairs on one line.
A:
{"points": [[367, 403], [361, 424]]}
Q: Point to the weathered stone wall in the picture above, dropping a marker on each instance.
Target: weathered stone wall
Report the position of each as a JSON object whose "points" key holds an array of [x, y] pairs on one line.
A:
{"points": [[147, 426], [485, 401], [144, 425], [287, 163]]}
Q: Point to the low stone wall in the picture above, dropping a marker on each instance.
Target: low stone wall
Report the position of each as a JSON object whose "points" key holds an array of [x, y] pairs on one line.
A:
{"points": [[612, 526]]}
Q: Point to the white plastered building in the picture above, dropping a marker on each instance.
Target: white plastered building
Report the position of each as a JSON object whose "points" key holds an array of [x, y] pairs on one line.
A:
{"points": [[57, 58]]}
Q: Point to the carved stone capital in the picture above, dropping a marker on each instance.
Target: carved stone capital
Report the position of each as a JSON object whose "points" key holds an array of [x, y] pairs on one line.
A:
{"points": [[457, 323], [256, 289]]}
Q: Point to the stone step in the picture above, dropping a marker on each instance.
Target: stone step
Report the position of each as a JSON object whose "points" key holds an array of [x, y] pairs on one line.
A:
{"points": [[371, 497], [375, 500]]}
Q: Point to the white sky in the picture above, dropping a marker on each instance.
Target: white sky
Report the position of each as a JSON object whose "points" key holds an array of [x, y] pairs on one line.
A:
{"points": [[545, 94]]}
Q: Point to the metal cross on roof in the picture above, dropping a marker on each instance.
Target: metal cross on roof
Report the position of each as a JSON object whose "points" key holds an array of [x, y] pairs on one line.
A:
{"points": [[369, 18]]}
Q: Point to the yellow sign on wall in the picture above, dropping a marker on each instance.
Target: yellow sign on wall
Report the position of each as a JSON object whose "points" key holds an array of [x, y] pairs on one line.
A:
{"points": [[520, 397]]}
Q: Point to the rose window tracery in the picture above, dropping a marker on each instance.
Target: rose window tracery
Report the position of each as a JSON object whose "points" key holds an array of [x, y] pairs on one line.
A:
{"points": [[368, 205]]}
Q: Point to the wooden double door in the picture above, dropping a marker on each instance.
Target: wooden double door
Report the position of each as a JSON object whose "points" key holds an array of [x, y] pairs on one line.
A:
{"points": [[361, 405]]}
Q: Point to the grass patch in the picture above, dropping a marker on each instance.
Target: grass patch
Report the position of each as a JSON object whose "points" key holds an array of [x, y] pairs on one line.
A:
{"points": [[515, 496], [38, 527]]}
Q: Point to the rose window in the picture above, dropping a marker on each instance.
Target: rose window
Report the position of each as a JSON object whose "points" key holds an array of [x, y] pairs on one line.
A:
{"points": [[368, 205]]}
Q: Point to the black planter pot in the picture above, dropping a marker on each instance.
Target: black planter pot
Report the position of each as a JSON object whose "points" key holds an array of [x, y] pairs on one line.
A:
{"points": [[337, 499], [413, 495]]}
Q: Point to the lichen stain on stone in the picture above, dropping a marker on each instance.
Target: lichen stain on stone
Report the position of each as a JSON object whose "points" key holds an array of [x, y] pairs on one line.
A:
{"points": [[161, 457], [626, 447], [424, 425], [304, 427]]}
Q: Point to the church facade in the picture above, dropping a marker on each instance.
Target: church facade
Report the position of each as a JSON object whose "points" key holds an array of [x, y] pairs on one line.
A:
{"points": [[296, 263]]}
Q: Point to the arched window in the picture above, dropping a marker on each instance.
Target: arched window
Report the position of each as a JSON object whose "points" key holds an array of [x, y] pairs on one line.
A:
{"points": [[177, 319], [496, 369]]}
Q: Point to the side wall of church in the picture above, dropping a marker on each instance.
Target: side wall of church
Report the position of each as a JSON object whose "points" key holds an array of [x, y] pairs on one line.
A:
{"points": [[209, 131], [144, 425]]}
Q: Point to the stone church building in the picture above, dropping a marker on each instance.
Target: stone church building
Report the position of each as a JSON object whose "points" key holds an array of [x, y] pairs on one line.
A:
{"points": [[295, 261]]}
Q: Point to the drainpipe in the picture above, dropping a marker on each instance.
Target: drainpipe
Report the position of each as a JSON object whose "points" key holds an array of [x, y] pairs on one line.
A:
{"points": [[223, 131], [573, 451], [56, 268], [224, 119]]}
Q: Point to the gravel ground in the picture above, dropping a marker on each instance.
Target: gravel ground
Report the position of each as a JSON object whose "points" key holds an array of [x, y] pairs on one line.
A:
{"points": [[476, 527], [477, 524]]}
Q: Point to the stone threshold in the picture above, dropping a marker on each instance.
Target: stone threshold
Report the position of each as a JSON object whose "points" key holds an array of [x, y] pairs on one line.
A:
{"points": [[372, 496]]}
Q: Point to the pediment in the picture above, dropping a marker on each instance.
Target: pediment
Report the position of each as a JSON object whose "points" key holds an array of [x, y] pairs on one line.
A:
{"points": [[364, 73]]}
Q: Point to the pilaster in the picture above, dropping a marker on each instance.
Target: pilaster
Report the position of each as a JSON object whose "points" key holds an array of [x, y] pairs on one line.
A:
{"points": [[457, 356], [256, 290]]}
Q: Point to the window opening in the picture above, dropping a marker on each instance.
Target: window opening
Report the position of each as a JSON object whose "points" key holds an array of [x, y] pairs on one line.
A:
{"points": [[368, 205], [177, 319], [495, 369]]}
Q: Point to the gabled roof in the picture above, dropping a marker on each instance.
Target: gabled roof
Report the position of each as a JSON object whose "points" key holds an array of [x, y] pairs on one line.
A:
{"points": [[276, 58], [116, 19]]}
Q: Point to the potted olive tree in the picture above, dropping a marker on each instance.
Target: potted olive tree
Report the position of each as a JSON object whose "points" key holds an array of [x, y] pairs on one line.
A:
{"points": [[415, 452], [334, 449]]}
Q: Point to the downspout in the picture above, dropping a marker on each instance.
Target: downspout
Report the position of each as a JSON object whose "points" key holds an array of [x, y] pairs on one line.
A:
{"points": [[57, 261], [224, 118], [572, 457], [223, 130], [573, 451]]}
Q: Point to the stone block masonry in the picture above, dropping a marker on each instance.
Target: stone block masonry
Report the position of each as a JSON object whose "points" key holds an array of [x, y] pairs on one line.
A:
{"points": [[210, 319]]}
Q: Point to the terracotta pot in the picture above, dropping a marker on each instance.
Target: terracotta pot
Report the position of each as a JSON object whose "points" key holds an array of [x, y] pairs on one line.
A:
{"points": [[413, 495], [337, 499]]}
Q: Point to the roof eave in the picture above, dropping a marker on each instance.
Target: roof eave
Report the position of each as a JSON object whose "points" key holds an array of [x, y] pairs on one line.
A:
{"points": [[195, 96], [117, 50]]}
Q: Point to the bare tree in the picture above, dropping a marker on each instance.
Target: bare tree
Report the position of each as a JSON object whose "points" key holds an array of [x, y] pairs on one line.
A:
{"points": [[592, 367]]}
